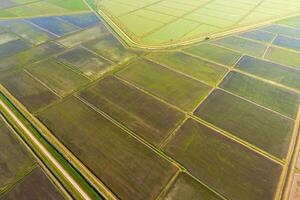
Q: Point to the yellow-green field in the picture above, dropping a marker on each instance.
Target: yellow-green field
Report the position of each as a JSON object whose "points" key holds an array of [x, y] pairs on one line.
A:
{"points": [[163, 23]]}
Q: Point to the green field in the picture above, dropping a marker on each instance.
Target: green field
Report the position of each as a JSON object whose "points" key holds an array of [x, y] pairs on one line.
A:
{"points": [[207, 72], [106, 150], [152, 120], [57, 76], [186, 94], [272, 97], [216, 119], [231, 169], [258, 126], [159, 24]]}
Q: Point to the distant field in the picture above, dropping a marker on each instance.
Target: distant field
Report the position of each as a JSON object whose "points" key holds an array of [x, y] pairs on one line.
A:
{"points": [[172, 22], [31, 8]]}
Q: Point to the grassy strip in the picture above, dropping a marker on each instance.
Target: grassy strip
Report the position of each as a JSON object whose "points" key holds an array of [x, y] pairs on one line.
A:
{"points": [[85, 185]]}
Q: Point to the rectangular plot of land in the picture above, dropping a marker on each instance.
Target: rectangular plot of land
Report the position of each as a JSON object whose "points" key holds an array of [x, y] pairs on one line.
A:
{"points": [[243, 45], [109, 47], [35, 185], [258, 126], [293, 22], [15, 161], [197, 68], [284, 57], [259, 35], [275, 98], [185, 187], [54, 25], [287, 42], [28, 91], [29, 56], [130, 169], [282, 30], [13, 47], [186, 93], [215, 53], [28, 31], [228, 167], [57, 76], [85, 61], [275, 72], [83, 36], [82, 20], [7, 37], [139, 25], [148, 117]]}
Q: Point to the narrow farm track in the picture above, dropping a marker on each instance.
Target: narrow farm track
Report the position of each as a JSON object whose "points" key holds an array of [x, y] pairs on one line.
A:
{"points": [[44, 151]]}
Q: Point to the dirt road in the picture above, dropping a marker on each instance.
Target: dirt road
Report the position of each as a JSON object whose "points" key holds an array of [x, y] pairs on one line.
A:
{"points": [[45, 152]]}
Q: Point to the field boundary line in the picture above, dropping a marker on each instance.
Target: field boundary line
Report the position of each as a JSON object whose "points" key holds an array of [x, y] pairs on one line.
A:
{"points": [[219, 130], [40, 163], [258, 105], [42, 83], [98, 184], [236, 69], [169, 137], [144, 142], [168, 185], [131, 133], [294, 153], [45, 152]]}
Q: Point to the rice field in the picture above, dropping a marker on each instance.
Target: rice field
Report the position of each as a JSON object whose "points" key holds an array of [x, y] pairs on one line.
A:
{"points": [[216, 119], [167, 23]]}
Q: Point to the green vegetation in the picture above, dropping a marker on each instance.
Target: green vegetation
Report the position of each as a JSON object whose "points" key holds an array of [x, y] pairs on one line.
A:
{"points": [[226, 166], [243, 45], [186, 93], [152, 119], [284, 57], [260, 127], [36, 185], [15, 160], [278, 73], [57, 76], [160, 24], [29, 91], [215, 53], [31, 8], [185, 187], [205, 71], [278, 99], [125, 165]]}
